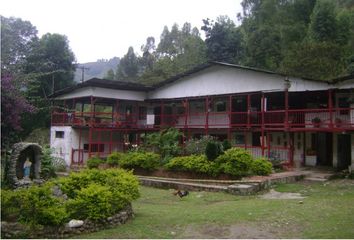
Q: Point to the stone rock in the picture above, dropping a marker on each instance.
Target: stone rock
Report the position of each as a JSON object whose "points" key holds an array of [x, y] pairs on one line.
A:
{"points": [[75, 223]]}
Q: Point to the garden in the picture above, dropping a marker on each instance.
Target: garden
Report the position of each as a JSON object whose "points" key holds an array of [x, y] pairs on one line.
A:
{"points": [[203, 158], [100, 196]]}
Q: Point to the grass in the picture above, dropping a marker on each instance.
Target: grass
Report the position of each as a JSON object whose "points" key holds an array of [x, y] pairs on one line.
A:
{"points": [[326, 212]]}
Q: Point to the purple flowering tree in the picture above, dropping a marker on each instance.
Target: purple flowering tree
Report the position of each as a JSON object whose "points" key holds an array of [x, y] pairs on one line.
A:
{"points": [[13, 105]]}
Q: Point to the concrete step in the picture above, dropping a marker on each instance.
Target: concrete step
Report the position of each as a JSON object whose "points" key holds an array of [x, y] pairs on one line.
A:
{"points": [[315, 179]]}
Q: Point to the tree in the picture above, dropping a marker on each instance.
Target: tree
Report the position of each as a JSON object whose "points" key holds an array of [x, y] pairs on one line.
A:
{"points": [[109, 75], [53, 55], [178, 51], [325, 52], [128, 68], [223, 40], [13, 106], [323, 26], [148, 59], [17, 40]]}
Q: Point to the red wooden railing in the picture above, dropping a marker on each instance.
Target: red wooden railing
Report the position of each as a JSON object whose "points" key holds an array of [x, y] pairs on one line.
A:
{"points": [[337, 118]]}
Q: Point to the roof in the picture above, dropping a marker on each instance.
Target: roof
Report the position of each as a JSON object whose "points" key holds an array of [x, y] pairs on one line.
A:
{"points": [[343, 78], [104, 83], [113, 84], [205, 66]]}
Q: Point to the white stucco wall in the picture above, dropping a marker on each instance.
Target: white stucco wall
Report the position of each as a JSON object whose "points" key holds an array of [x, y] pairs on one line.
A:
{"points": [[105, 93], [62, 146], [218, 80]]}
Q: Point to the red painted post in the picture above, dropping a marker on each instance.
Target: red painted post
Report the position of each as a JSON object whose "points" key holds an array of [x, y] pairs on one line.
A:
{"points": [[90, 141], [248, 110], [206, 115], [79, 157], [230, 117], [286, 108], [330, 108], [162, 114], [262, 123], [186, 112]]}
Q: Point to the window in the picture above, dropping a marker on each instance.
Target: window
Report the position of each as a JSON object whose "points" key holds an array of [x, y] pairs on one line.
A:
{"points": [[59, 134], [94, 147], [240, 139], [220, 106]]}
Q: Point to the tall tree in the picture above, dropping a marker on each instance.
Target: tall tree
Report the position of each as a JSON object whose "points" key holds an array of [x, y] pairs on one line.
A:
{"points": [[128, 68], [17, 40], [52, 55], [148, 59], [178, 51], [223, 40]]}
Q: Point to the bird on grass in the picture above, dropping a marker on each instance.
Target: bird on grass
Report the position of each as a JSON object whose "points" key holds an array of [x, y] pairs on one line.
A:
{"points": [[180, 193]]}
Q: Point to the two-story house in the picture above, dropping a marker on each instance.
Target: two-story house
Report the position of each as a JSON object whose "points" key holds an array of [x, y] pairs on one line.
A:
{"points": [[301, 121]]}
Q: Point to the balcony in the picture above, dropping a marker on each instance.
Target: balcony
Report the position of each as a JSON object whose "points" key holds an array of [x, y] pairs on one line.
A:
{"points": [[304, 119]]}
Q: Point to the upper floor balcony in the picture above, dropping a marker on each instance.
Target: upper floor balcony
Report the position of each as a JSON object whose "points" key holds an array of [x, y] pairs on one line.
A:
{"points": [[275, 111]]}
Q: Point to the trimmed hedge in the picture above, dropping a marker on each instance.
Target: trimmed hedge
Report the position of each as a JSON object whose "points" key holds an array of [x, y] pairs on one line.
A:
{"points": [[236, 162], [261, 166], [114, 158], [145, 160], [94, 162], [97, 194], [192, 163]]}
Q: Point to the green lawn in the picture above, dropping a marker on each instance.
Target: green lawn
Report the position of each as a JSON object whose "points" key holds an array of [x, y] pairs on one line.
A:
{"points": [[326, 212]]}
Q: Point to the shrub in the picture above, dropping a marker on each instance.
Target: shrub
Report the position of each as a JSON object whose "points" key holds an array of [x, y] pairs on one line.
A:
{"points": [[261, 166], [37, 206], [192, 163], [123, 185], [213, 150], [59, 164], [94, 162], [236, 162], [145, 160], [47, 166], [10, 202], [165, 142], [113, 159], [92, 202], [197, 146], [226, 145]]}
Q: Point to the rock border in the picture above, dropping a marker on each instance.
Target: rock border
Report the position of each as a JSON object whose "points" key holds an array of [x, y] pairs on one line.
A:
{"points": [[18, 230]]}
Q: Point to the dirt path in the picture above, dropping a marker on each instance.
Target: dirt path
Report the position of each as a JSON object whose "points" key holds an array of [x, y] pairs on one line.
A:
{"points": [[234, 231]]}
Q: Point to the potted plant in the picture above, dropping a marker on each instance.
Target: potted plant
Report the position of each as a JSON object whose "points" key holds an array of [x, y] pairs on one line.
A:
{"points": [[316, 122]]}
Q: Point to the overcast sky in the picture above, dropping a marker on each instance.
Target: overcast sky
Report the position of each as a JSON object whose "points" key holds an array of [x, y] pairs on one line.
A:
{"points": [[99, 29]]}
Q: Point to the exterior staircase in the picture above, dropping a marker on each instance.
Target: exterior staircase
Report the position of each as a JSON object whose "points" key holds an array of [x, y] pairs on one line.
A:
{"points": [[319, 175]]}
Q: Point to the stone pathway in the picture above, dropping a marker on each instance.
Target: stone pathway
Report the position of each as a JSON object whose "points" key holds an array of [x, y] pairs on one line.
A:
{"points": [[245, 186]]}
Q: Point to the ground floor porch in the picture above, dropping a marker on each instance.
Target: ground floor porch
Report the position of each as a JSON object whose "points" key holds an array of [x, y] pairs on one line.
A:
{"points": [[293, 149]]}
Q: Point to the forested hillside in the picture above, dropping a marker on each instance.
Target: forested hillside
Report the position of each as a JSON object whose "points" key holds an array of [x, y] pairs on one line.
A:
{"points": [[306, 38], [97, 69]]}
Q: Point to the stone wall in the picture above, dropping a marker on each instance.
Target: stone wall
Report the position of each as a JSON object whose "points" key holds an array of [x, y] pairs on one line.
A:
{"points": [[18, 230]]}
